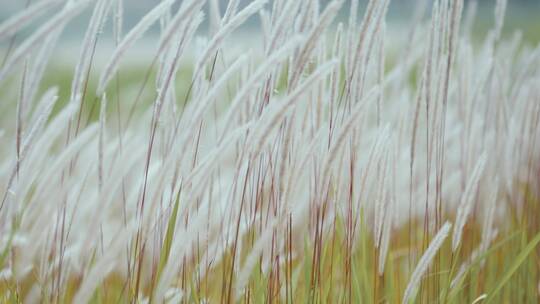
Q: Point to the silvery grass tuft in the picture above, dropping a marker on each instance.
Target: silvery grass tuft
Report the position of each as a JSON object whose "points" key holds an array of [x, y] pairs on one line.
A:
{"points": [[321, 161]]}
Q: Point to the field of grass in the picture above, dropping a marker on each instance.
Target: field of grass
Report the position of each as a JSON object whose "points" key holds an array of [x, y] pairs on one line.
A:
{"points": [[320, 162]]}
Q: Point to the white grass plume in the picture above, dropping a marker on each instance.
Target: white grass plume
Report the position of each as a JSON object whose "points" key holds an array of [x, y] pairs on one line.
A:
{"points": [[14, 24], [425, 261], [467, 200], [129, 40], [227, 29], [58, 21], [90, 39]]}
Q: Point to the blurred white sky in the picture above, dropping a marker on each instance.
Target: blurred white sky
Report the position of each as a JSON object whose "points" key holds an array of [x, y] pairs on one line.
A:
{"points": [[399, 9], [524, 13]]}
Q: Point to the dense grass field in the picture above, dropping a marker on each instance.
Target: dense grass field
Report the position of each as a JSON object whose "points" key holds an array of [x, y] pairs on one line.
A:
{"points": [[320, 159]]}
